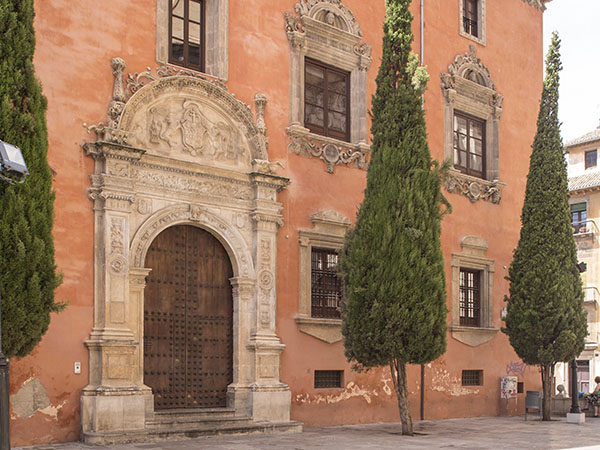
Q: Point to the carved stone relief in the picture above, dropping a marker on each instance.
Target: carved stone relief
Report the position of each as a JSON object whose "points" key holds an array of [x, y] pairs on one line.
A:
{"points": [[197, 213], [331, 12], [333, 154], [474, 188], [167, 114]]}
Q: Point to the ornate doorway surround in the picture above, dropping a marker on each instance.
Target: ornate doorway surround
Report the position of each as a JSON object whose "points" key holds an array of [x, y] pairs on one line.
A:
{"points": [[178, 149]]}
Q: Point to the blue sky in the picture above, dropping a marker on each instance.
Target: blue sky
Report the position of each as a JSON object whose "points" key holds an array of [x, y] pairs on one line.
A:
{"points": [[578, 25]]}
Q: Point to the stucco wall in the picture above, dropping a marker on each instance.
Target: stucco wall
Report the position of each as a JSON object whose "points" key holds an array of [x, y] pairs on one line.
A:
{"points": [[75, 44]]}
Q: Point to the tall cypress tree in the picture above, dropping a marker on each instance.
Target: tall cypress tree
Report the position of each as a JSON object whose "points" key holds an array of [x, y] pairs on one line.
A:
{"points": [[392, 263], [545, 319], [28, 275]]}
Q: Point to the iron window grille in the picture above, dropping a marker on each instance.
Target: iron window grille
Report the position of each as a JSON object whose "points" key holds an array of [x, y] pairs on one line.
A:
{"points": [[470, 17], [472, 377], [591, 159], [187, 33], [469, 145], [328, 379], [470, 297], [326, 285], [326, 100]]}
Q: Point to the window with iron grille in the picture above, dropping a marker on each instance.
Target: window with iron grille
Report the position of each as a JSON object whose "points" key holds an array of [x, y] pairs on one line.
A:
{"points": [[329, 378], [470, 297], [579, 217], [469, 145], [591, 159], [326, 285], [470, 17], [520, 387], [472, 377], [326, 100], [187, 33]]}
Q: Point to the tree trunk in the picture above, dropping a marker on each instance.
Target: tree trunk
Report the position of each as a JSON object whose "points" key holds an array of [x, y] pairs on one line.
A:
{"points": [[547, 378], [398, 372]]}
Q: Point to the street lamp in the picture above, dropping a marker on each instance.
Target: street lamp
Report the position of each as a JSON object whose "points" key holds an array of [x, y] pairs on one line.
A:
{"points": [[13, 170]]}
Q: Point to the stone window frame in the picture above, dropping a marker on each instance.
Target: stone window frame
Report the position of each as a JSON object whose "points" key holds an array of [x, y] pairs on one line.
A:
{"points": [[481, 20], [468, 88], [216, 16], [329, 229], [328, 32], [473, 257]]}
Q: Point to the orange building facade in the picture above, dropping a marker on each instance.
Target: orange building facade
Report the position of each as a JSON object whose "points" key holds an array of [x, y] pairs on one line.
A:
{"points": [[209, 157]]}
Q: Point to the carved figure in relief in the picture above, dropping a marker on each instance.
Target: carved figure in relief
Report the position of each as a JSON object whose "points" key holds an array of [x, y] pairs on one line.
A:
{"points": [[194, 129], [224, 143], [159, 126]]}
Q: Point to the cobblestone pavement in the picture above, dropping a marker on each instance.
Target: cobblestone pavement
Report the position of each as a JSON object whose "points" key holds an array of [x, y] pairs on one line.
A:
{"points": [[475, 433]]}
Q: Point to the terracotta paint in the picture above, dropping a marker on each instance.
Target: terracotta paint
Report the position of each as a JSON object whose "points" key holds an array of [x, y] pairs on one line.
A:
{"points": [[75, 44]]}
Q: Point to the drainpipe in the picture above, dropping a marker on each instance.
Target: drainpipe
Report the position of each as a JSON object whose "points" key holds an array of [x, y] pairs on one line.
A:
{"points": [[422, 46], [422, 105]]}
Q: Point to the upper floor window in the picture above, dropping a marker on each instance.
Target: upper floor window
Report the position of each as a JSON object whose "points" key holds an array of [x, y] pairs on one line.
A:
{"points": [[579, 217], [470, 297], [326, 100], [187, 31], [469, 145], [193, 34], [326, 285], [470, 17], [591, 159], [472, 20]]}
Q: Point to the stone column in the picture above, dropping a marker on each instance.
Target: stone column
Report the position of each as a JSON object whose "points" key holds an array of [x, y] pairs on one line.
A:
{"points": [[115, 398], [244, 310], [271, 398]]}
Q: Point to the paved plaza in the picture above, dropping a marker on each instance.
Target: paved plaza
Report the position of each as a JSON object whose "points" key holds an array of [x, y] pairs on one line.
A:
{"points": [[474, 433]]}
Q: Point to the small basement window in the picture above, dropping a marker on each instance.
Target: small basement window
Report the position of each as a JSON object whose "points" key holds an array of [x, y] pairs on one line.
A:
{"points": [[328, 379], [472, 377]]}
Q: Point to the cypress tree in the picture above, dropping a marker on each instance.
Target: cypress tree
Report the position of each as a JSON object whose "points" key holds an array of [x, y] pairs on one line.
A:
{"points": [[545, 319], [28, 274], [392, 264]]}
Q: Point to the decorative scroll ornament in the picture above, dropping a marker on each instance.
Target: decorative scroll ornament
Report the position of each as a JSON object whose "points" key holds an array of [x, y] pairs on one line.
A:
{"points": [[332, 153], [331, 12], [470, 67], [537, 4], [474, 188]]}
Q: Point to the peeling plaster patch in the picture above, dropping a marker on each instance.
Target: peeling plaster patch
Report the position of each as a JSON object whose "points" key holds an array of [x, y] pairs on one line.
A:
{"points": [[52, 411], [386, 388], [442, 381], [351, 390], [31, 397]]}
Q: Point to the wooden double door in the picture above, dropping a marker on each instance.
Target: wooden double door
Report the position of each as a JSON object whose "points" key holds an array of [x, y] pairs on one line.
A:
{"points": [[188, 320]]}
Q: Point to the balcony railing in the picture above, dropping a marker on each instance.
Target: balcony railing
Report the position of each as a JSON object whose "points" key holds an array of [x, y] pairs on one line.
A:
{"points": [[591, 294], [585, 227]]}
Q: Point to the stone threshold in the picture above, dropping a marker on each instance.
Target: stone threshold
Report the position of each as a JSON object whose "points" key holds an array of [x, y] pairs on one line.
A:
{"points": [[183, 431]]}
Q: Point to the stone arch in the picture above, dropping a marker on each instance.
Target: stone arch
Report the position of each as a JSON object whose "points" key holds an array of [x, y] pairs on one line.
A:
{"points": [[185, 214]]}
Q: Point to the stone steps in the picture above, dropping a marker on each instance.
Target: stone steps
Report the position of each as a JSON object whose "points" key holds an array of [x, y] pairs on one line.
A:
{"points": [[190, 424]]}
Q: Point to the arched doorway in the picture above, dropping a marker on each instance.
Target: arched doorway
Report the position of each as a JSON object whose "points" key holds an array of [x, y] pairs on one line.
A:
{"points": [[188, 320]]}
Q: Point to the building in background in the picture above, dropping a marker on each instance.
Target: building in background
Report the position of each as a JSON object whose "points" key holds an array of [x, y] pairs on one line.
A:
{"points": [[584, 189], [200, 205]]}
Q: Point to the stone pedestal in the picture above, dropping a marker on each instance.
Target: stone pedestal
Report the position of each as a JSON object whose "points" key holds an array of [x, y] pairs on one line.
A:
{"points": [[577, 418]]}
